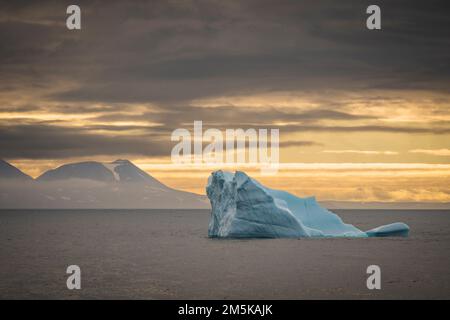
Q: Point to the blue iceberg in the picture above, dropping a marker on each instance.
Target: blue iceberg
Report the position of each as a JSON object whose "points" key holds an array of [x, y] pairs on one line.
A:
{"points": [[244, 208], [399, 229]]}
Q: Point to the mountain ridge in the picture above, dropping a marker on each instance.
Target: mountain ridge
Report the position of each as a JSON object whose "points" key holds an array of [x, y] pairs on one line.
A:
{"points": [[95, 185], [8, 171]]}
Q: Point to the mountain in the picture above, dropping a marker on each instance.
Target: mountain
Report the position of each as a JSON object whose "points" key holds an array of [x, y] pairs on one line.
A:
{"points": [[95, 185], [126, 171], [83, 170], [17, 189], [122, 171], [8, 171]]}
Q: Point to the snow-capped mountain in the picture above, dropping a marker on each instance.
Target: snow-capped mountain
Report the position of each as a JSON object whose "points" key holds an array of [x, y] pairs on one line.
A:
{"points": [[93, 185], [8, 171]]}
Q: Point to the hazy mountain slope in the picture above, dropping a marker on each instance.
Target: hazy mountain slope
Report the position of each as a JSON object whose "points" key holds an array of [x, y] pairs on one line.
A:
{"points": [[82, 170], [8, 171], [94, 185], [126, 171]]}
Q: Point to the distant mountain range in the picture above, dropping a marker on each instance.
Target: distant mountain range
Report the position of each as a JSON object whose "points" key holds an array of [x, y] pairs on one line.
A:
{"points": [[92, 185], [122, 185]]}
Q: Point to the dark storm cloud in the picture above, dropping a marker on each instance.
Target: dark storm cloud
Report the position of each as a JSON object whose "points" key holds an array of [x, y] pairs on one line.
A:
{"points": [[51, 141], [43, 141], [167, 51], [55, 141], [23, 108], [87, 109], [231, 116], [299, 143]]}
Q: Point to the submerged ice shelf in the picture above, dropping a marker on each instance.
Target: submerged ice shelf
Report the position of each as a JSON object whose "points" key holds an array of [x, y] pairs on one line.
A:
{"points": [[244, 208]]}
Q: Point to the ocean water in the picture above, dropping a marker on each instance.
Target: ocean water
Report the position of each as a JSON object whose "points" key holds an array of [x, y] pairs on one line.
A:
{"points": [[166, 254]]}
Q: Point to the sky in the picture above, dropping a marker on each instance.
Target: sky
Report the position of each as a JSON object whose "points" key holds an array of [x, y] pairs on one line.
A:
{"points": [[364, 115]]}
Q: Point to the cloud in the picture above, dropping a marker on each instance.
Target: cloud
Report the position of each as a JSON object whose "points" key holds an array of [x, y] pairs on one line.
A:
{"points": [[434, 152], [174, 52], [31, 138], [230, 116], [299, 143], [366, 152], [45, 140], [367, 128], [136, 71], [55, 142]]}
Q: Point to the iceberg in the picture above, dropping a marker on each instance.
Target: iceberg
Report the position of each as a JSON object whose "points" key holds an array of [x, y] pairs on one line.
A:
{"points": [[394, 229], [244, 208]]}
